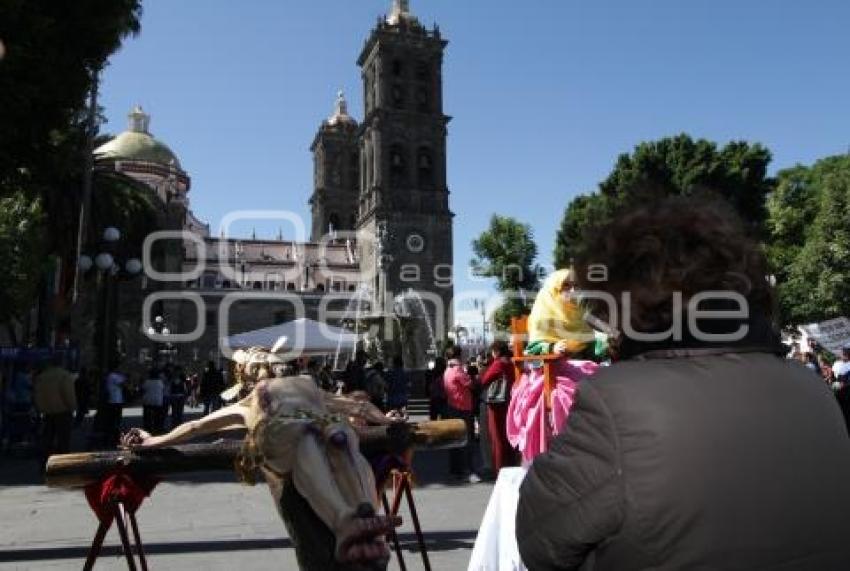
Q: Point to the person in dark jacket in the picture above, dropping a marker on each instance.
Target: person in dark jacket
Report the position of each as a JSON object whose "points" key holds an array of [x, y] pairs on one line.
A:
{"points": [[177, 393], [703, 448], [436, 392], [398, 385], [212, 385]]}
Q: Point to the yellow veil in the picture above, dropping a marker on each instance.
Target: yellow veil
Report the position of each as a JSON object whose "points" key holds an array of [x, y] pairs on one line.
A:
{"points": [[556, 317]]}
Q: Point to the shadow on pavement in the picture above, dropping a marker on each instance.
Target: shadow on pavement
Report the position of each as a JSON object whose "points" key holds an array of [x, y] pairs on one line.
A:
{"points": [[436, 541]]}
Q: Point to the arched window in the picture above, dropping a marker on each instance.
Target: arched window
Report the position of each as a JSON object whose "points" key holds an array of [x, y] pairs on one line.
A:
{"points": [[320, 287], [398, 166], [425, 167], [273, 282], [352, 287], [423, 103], [397, 96], [423, 71], [333, 222], [397, 68], [290, 286], [208, 281]]}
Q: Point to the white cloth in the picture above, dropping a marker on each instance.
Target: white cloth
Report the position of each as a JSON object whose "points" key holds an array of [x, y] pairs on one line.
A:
{"points": [[495, 547], [113, 388], [154, 392], [840, 368], [297, 338]]}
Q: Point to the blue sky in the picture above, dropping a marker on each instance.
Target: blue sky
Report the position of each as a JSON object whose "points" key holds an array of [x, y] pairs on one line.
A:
{"points": [[544, 93]]}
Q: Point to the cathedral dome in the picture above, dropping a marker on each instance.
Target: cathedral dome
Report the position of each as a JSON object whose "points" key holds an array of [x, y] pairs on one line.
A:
{"points": [[137, 144]]}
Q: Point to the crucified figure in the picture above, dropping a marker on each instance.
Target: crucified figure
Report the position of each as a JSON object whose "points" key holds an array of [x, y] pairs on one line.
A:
{"points": [[300, 434]]}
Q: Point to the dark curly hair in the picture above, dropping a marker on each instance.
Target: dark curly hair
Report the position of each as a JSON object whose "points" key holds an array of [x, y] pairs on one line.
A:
{"points": [[501, 347], [678, 244]]}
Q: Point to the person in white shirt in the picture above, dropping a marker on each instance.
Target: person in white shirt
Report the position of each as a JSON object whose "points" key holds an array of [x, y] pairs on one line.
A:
{"points": [[841, 383], [153, 399], [842, 366], [115, 405]]}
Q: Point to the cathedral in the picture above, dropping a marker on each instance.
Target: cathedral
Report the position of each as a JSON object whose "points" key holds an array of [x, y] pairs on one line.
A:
{"points": [[380, 242]]}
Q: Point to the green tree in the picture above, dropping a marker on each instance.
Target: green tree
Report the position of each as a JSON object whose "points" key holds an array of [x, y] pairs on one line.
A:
{"points": [[506, 251], [810, 241], [53, 53], [53, 50], [22, 257], [678, 165], [581, 214]]}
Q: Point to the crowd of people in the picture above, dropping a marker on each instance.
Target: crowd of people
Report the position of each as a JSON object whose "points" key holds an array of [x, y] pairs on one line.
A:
{"points": [[44, 402], [476, 390], [835, 374], [386, 388]]}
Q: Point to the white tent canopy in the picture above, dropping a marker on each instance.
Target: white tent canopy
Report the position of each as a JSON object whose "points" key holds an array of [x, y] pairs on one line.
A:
{"points": [[296, 338]]}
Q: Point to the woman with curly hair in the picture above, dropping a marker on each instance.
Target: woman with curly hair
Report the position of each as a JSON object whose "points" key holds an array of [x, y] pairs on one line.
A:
{"points": [[702, 447]]}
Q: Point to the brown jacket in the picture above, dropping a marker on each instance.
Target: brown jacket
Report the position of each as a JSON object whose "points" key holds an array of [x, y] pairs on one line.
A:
{"points": [[54, 391], [700, 460]]}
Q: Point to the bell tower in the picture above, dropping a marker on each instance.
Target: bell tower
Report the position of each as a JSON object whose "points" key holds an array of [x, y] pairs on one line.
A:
{"points": [[335, 173], [404, 197]]}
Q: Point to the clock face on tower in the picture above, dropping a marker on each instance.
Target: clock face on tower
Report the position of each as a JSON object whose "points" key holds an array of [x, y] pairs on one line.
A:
{"points": [[415, 243]]}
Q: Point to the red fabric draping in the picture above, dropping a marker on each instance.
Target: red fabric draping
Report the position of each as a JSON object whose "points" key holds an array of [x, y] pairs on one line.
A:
{"points": [[118, 486]]}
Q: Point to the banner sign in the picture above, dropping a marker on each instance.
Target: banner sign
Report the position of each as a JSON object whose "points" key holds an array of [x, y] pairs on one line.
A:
{"points": [[832, 335]]}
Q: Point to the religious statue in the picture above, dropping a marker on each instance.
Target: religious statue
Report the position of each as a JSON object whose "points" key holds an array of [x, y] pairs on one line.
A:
{"points": [[383, 244], [301, 436]]}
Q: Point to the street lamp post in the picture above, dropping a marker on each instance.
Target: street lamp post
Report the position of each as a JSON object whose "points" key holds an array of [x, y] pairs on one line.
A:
{"points": [[108, 267], [460, 334], [481, 304], [160, 328]]}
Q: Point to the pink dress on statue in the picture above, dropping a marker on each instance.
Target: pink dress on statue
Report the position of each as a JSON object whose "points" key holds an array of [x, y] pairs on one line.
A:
{"points": [[525, 428]]}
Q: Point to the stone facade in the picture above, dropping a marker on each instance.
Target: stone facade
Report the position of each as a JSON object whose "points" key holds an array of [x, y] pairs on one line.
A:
{"points": [[381, 236], [404, 194]]}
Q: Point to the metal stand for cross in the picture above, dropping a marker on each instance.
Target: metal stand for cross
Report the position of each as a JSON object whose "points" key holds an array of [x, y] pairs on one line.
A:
{"points": [[120, 516], [402, 480]]}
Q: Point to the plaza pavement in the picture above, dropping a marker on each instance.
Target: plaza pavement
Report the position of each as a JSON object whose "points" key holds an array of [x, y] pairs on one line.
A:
{"points": [[209, 522]]}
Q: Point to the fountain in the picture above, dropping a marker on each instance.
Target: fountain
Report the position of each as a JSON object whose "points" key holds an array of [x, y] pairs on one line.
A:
{"points": [[403, 328]]}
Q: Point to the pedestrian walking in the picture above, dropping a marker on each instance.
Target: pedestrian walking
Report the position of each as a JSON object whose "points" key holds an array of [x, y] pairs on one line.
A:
{"points": [[841, 383], [376, 386], [436, 391], [458, 389], [398, 385], [212, 385], [114, 386], [496, 383], [326, 379], [177, 396], [56, 400], [153, 403]]}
